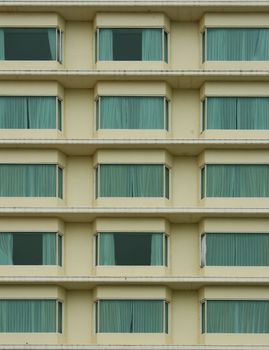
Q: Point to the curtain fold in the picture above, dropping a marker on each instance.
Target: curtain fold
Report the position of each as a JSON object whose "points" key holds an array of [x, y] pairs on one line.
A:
{"points": [[2, 44], [237, 44], [6, 248], [105, 44], [237, 180], [107, 249], [156, 257], [52, 43], [49, 248], [152, 45], [27, 316], [237, 316]]}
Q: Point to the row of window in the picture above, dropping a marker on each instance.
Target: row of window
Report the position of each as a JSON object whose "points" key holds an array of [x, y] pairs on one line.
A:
{"points": [[135, 112], [135, 44], [135, 249], [134, 316]]}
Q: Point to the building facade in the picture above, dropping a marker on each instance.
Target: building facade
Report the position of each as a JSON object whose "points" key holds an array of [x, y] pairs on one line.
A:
{"points": [[134, 175]]}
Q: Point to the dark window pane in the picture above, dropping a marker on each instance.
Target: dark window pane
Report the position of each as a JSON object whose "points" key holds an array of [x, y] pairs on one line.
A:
{"points": [[132, 248], [60, 317], [127, 44], [27, 249], [60, 250], [59, 114], [27, 44]]}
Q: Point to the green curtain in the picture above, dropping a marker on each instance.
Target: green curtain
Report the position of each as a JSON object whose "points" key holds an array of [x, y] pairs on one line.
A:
{"points": [[60, 250], [60, 182], [32, 112], [2, 44], [106, 249], [152, 45], [27, 180], [131, 112], [237, 180], [49, 248], [52, 43], [27, 316], [131, 180], [237, 249], [238, 113], [6, 248], [105, 44], [237, 316], [156, 257], [131, 316], [237, 44]]}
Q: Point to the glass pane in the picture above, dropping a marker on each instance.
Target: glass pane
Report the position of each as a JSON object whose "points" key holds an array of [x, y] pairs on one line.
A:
{"points": [[165, 47], [27, 249], [127, 44], [167, 182], [60, 182], [60, 317], [59, 114], [203, 317], [30, 44], [60, 250], [203, 182], [166, 115]]}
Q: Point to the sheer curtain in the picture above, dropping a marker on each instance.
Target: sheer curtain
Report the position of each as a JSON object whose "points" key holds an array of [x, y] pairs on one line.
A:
{"points": [[52, 43], [152, 45], [157, 249], [148, 316], [105, 44], [6, 248], [106, 249], [49, 248]]}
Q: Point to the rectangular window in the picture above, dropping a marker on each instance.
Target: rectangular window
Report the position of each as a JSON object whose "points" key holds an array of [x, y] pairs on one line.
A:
{"points": [[237, 44], [131, 316], [131, 112], [30, 112], [30, 44], [236, 316], [129, 44], [30, 180], [132, 180], [131, 249], [236, 249], [236, 180], [34, 248], [237, 113], [29, 316]]}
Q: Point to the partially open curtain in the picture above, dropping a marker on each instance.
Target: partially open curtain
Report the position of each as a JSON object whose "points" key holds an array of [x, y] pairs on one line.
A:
{"points": [[152, 45], [105, 44], [27, 316], [107, 249], [237, 44], [52, 42], [156, 257], [115, 316], [6, 248], [49, 248], [2, 44], [148, 316]]}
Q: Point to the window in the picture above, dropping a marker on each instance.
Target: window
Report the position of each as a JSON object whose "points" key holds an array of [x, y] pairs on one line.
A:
{"points": [[35, 44], [132, 316], [30, 180], [236, 113], [30, 112], [235, 180], [235, 249], [34, 248], [236, 44], [235, 316], [128, 44], [30, 316], [132, 180], [131, 248], [132, 112]]}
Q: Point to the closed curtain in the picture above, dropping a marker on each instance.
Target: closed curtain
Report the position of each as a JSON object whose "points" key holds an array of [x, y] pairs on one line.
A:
{"points": [[156, 257], [2, 44], [238, 113], [105, 45], [126, 112], [107, 249], [31, 112], [27, 180], [6, 249], [52, 43], [237, 316], [237, 44], [131, 180], [237, 249], [237, 180], [27, 316], [131, 316], [49, 248], [152, 45]]}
